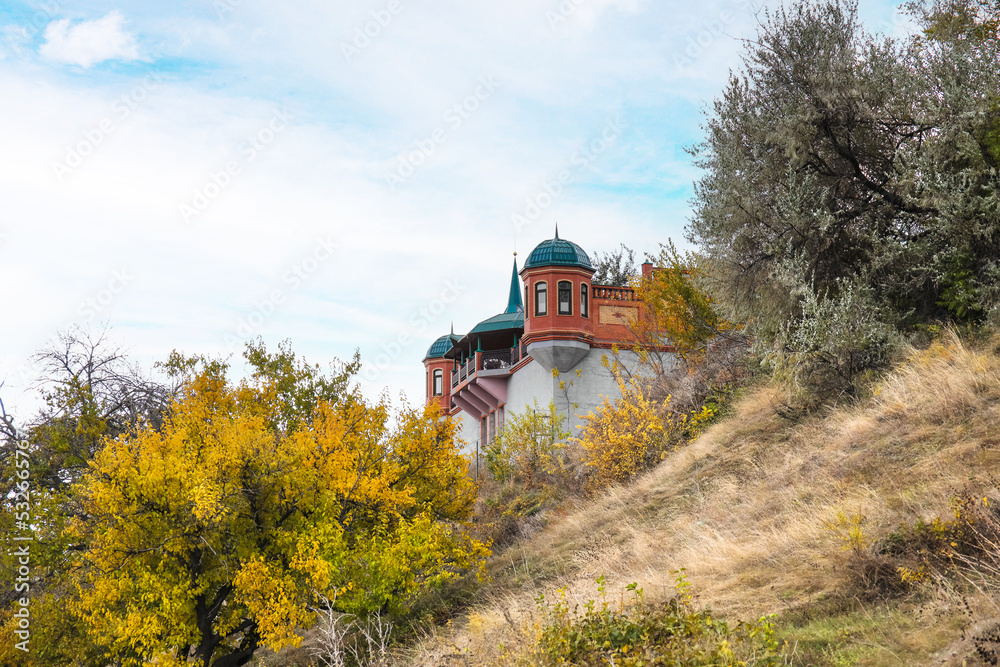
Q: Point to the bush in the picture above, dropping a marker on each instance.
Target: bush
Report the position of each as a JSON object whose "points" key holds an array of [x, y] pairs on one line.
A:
{"points": [[529, 444], [967, 545], [873, 573], [969, 542], [835, 338], [639, 633], [623, 436], [634, 432], [504, 511]]}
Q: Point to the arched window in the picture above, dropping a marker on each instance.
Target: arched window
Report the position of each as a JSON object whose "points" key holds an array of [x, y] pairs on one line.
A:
{"points": [[438, 382], [584, 311], [527, 302], [565, 297], [541, 298]]}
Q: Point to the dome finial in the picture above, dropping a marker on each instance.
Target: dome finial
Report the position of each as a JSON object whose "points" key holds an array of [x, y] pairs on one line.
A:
{"points": [[557, 229], [453, 327]]}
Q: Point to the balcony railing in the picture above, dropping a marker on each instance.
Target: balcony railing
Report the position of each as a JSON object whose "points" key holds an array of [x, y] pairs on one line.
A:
{"points": [[614, 293], [494, 361], [491, 360]]}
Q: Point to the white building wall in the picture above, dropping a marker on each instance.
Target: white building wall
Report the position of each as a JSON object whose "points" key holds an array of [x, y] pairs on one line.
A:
{"points": [[468, 430], [582, 394], [528, 384]]}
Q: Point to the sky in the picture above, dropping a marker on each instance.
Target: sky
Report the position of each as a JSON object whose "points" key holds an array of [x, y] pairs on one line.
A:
{"points": [[343, 175]]}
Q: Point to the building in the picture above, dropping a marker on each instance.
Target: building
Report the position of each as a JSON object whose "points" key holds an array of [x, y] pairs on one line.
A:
{"points": [[557, 329]]}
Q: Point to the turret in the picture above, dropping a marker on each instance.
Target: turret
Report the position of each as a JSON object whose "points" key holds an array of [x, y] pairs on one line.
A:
{"points": [[438, 368], [558, 322]]}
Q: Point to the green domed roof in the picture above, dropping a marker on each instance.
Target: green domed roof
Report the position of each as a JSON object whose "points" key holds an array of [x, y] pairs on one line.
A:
{"points": [[441, 346], [558, 252]]}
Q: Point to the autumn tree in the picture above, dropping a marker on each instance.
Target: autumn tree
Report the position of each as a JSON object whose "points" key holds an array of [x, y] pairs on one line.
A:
{"points": [[212, 535], [685, 348]]}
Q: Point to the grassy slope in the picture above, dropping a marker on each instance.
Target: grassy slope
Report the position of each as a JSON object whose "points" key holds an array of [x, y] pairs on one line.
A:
{"points": [[745, 507]]}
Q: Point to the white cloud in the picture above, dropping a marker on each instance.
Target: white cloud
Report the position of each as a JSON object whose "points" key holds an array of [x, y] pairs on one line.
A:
{"points": [[89, 42]]}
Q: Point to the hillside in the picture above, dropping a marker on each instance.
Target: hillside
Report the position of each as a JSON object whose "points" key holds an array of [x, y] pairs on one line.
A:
{"points": [[750, 511]]}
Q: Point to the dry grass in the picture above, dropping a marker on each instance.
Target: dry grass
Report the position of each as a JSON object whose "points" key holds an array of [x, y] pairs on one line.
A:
{"points": [[744, 508]]}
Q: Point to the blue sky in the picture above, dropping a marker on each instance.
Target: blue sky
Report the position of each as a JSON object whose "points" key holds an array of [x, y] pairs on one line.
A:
{"points": [[342, 174]]}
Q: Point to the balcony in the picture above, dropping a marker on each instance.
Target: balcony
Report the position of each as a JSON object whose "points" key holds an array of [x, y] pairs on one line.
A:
{"points": [[488, 364], [614, 293]]}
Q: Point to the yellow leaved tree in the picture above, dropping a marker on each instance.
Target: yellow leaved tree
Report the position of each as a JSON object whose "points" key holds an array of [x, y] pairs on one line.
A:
{"points": [[212, 535], [679, 313], [689, 357], [623, 435], [629, 433]]}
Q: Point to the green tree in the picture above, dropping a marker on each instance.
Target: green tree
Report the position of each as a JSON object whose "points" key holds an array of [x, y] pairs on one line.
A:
{"points": [[615, 267], [846, 172], [91, 392]]}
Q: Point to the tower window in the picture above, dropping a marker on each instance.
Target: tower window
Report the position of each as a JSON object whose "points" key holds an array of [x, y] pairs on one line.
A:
{"points": [[527, 302], [541, 298], [565, 297], [583, 301], [438, 382]]}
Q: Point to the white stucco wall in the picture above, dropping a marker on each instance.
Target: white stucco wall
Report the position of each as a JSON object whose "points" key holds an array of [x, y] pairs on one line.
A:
{"points": [[468, 430], [527, 384], [584, 393]]}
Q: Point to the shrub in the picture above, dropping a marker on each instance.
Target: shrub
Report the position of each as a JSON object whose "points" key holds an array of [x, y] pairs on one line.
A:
{"points": [[967, 545], [872, 571], [503, 511], [623, 436], [835, 338], [639, 633], [528, 444], [969, 542], [631, 433]]}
